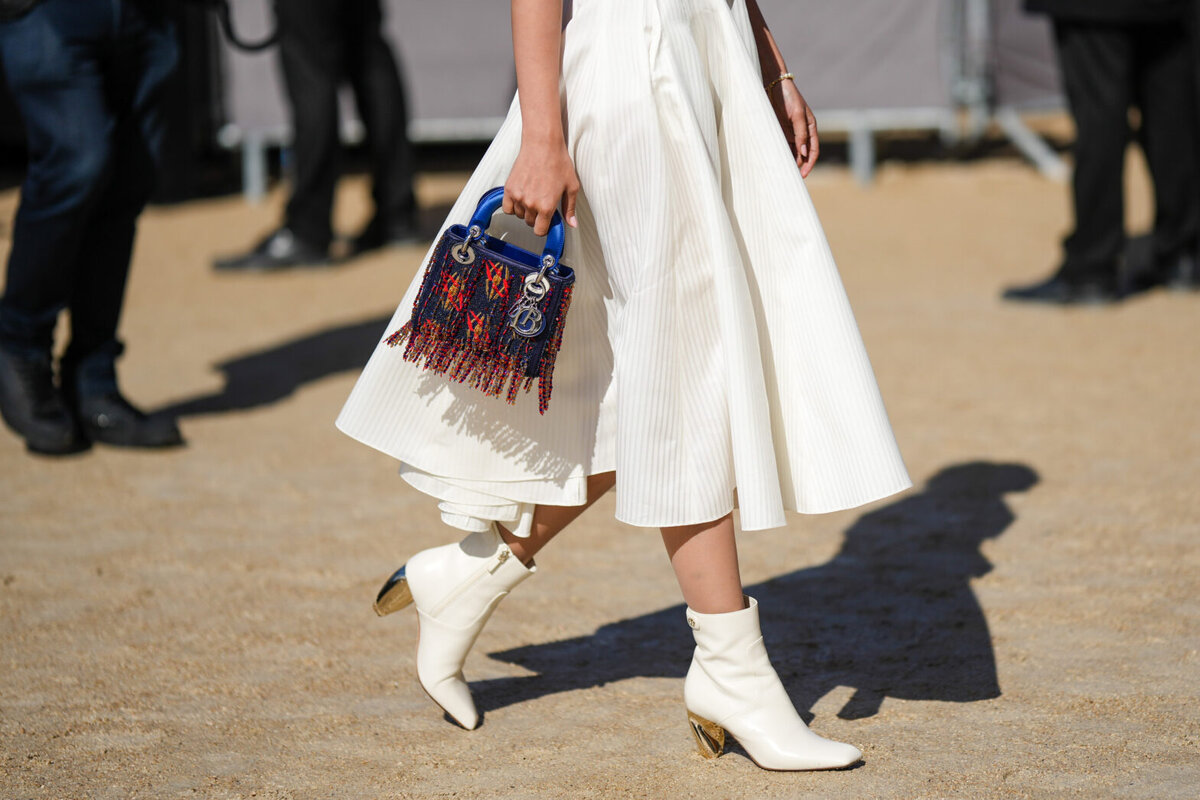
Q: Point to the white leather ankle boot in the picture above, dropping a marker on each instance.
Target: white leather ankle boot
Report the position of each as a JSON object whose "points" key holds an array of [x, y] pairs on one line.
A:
{"points": [[732, 687], [455, 589]]}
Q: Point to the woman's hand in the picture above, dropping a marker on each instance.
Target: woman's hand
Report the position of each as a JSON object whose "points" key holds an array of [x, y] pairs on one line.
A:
{"points": [[795, 117], [798, 123], [542, 177]]}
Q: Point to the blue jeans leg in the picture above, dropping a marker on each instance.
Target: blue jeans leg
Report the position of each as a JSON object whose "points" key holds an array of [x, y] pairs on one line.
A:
{"points": [[86, 82]]}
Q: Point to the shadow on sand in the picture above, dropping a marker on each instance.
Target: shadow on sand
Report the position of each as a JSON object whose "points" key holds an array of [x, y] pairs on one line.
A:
{"points": [[891, 615], [275, 373], [270, 375]]}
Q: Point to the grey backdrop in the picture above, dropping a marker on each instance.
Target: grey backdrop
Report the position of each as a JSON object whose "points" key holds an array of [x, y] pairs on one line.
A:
{"points": [[865, 65]]}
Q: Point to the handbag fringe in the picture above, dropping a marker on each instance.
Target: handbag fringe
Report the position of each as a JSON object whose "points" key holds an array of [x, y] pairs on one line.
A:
{"points": [[446, 349]]}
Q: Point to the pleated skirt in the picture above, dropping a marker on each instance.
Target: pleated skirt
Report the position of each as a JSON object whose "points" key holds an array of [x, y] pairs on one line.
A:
{"points": [[710, 356]]}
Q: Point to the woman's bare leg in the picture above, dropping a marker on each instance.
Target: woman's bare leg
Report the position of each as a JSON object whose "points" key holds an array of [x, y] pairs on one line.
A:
{"points": [[549, 520], [705, 561]]}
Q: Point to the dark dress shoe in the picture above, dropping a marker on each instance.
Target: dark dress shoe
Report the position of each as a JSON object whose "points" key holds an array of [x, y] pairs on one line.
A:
{"points": [[279, 250], [111, 419], [1179, 274], [33, 407], [1183, 275], [1059, 290], [379, 234]]}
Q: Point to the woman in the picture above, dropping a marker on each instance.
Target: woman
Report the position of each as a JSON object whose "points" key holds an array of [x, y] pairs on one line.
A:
{"points": [[710, 347]]}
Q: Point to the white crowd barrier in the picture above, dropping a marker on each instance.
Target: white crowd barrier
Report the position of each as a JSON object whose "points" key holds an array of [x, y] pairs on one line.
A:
{"points": [[866, 65]]}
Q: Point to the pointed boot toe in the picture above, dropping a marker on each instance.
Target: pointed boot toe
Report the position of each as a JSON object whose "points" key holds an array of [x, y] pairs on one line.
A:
{"points": [[732, 688], [455, 588], [454, 696], [441, 651], [842, 755], [774, 741]]}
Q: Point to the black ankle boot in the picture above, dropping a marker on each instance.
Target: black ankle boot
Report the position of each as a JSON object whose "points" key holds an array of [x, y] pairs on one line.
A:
{"points": [[104, 415], [33, 407], [111, 419]]}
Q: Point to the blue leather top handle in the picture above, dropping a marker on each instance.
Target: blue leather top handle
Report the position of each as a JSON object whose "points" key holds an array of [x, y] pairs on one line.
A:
{"points": [[490, 203]]}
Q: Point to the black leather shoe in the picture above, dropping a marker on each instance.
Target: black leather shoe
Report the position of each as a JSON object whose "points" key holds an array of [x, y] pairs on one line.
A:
{"points": [[33, 407], [279, 250], [111, 419], [1058, 290], [379, 234], [1180, 274]]}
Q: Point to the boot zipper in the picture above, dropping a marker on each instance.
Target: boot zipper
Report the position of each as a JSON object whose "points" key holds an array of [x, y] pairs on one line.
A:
{"points": [[501, 557], [471, 579]]}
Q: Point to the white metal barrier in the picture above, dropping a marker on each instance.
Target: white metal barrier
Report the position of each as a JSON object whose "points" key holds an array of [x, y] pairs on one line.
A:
{"points": [[867, 66]]}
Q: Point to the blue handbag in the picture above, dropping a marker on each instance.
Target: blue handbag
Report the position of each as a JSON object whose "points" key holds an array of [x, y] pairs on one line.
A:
{"points": [[489, 313]]}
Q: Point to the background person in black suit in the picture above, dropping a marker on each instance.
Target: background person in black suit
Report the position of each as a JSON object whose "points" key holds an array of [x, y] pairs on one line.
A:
{"points": [[88, 79], [322, 44], [1116, 54]]}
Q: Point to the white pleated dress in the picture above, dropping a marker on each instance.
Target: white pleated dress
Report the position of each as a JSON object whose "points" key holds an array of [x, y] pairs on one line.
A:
{"points": [[710, 355]]}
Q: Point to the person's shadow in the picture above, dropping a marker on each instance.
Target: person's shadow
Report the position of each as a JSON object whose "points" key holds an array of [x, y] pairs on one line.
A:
{"points": [[274, 373], [891, 615]]}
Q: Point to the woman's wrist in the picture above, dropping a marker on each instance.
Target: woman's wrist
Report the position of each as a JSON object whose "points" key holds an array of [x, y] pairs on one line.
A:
{"points": [[543, 136], [783, 76]]}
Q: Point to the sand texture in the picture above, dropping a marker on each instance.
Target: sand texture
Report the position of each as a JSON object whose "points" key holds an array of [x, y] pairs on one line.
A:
{"points": [[1023, 623]]}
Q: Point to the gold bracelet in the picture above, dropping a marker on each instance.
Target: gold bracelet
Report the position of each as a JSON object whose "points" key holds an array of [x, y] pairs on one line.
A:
{"points": [[787, 76]]}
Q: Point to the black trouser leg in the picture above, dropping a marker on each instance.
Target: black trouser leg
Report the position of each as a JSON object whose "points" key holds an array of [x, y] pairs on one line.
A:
{"points": [[375, 76], [68, 124], [1097, 70], [311, 53], [138, 72], [1166, 96]]}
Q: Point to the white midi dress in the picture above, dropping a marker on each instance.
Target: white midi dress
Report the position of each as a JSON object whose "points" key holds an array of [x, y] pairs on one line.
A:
{"points": [[710, 355]]}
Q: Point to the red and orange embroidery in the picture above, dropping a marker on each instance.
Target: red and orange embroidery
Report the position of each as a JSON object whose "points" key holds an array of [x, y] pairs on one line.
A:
{"points": [[453, 296], [497, 280], [477, 324], [459, 328]]}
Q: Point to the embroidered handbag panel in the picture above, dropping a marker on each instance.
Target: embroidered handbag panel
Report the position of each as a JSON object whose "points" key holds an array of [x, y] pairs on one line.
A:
{"points": [[475, 320]]}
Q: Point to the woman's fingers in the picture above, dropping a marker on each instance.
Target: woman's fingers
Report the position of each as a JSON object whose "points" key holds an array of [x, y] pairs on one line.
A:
{"points": [[537, 215], [537, 185], [569, 205], [808, 144], [512, 202], [800, 132], [814, 142]]}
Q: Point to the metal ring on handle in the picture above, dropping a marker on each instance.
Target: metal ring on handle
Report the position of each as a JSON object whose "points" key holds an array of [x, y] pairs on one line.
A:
{"points": [[462, 252]]}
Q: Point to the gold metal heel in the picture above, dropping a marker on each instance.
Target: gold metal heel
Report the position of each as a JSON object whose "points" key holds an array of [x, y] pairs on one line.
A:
{"points": [[394, 595], [710, 737]]}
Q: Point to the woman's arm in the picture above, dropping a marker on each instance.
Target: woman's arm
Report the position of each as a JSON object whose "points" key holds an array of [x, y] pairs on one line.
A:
{"points": [[543, 175], [795, 117]]}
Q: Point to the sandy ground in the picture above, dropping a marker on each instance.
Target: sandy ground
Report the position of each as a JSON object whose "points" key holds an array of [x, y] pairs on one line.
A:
{"points": [[1023, 623]]}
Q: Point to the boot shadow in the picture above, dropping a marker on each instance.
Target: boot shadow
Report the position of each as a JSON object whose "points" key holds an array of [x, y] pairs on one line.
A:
{"points": [[891, 615]]}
